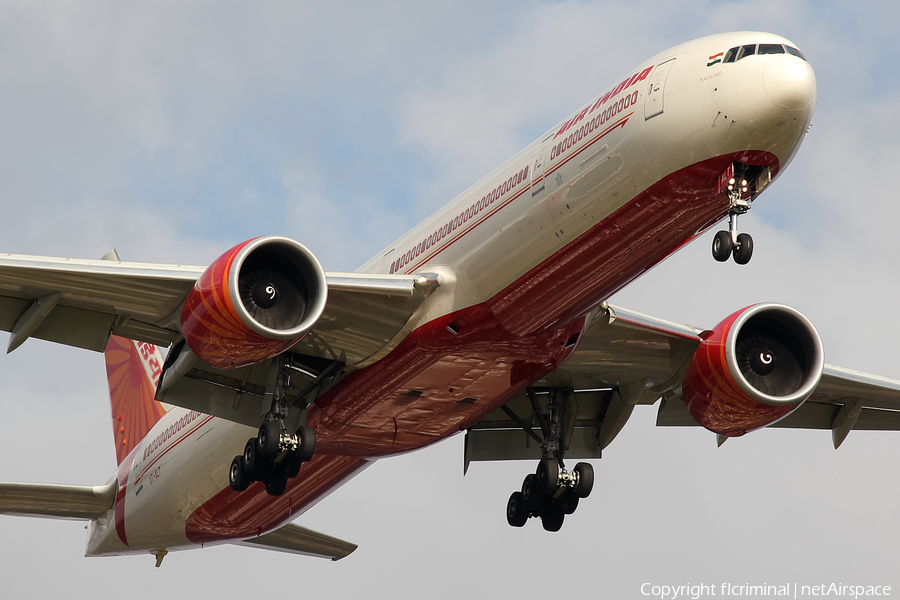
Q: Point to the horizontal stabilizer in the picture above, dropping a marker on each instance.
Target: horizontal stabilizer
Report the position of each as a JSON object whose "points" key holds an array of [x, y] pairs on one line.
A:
{"points": [[295, 539], [57, 501]]}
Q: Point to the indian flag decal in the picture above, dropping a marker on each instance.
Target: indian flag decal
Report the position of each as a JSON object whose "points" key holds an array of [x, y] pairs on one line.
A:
{"points": [[715, 58]]}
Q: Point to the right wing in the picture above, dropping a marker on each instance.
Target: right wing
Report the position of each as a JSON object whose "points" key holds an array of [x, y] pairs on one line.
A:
{"points": [[81, 302]]}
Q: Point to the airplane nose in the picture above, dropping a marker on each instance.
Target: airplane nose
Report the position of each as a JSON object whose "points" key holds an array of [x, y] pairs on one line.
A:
{"points": [[789, 82]]}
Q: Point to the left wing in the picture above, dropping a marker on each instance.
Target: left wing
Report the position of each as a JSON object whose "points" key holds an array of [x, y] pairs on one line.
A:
{"points": [[626, 358]]}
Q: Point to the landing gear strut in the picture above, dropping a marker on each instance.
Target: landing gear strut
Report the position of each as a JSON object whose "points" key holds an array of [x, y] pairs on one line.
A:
{"points": [[275, 455], [552, 491]]}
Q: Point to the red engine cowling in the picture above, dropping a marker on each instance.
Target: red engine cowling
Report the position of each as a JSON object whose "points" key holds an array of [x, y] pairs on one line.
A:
{"points": [[254, 302], [757, 366]]}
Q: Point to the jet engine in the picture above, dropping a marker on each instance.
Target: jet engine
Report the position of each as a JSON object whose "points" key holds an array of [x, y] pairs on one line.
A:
{"points": [[254, 302], [756, 367]]}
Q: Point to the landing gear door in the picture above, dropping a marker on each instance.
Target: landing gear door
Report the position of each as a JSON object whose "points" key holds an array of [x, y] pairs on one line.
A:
{"points": [[537, 172], [653, 105]]}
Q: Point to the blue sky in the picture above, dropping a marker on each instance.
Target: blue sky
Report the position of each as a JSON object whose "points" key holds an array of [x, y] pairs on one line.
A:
{"points": [[173, 130]]}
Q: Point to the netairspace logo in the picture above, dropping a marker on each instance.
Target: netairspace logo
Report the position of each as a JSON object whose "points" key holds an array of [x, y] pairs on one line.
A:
{"points": [[788, 590]]}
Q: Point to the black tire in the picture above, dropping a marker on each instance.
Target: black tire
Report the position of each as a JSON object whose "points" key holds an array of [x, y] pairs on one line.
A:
{"points": [[744, 249], [552, 519], [269, 438], [722, 246], [585, 473], [276, 483], [570, 503], [516, 513], [292, 469], [307, 446], [237, 477], [547, 475], [531, 494], [251, 460]]}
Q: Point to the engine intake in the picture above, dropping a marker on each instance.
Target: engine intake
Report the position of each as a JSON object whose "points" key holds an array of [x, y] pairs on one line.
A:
{"points": [[254, 302], [756, 367]]}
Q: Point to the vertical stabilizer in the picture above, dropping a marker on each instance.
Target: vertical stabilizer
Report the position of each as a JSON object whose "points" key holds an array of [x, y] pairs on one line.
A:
{"points": [[133, 370]]}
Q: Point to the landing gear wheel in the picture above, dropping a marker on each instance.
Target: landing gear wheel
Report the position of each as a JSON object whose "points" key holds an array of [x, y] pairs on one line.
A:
{"points": [[570, 504], [530, 493], [269, 438], [307, 445], [238, 478], [547, 475], [552, 519], [585, 474], [744, 249], [516, 513], [276, 483], [251, 461], [293, 467], [722, 246]]}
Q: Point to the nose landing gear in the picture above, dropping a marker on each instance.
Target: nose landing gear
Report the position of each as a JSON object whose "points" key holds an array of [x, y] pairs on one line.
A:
{"points": [[741, 184], [732, 244]]}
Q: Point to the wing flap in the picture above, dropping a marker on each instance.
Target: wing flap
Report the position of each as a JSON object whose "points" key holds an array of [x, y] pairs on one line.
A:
{"points": [[57, 501], [296, 539]]}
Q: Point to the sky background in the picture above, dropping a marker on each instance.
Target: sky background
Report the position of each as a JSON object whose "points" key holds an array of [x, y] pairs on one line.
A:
{"points": [[174, 130]]}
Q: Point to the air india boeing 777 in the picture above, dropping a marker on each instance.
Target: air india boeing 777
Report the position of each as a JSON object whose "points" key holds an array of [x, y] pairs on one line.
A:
{"points": [[283, 381]]}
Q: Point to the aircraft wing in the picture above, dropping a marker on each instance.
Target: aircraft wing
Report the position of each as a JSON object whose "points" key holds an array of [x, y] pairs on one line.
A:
{"points": [[626, 358], [57, 501], [81, 302], [295, 539]]}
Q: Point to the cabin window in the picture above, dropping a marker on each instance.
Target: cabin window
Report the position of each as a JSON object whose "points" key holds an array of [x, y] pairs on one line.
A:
{"points": [[771, 49]]}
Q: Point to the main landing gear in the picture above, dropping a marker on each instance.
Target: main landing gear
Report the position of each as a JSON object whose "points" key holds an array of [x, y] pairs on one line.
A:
{"points": [[551, 492], [272, 457], [276, 454]]}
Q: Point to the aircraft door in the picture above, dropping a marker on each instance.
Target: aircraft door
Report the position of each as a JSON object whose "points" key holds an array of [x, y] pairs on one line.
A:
{"points": [[653, 104], [537, 171]]}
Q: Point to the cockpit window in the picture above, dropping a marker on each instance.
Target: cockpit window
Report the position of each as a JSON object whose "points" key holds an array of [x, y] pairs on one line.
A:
{"points": [[740, 52], [795, 52], [746, 51], [771, 49]]}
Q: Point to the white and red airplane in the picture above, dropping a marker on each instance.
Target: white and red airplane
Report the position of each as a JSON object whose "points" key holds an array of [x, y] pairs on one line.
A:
{"points": [[283, 381]]}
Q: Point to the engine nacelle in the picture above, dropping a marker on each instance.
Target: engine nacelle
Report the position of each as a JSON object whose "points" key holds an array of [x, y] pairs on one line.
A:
{"points": [[254, 302], [757, 366]]}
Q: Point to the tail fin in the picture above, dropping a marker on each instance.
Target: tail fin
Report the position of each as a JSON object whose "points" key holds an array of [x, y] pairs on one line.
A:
{"points": [[133, 370]]}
